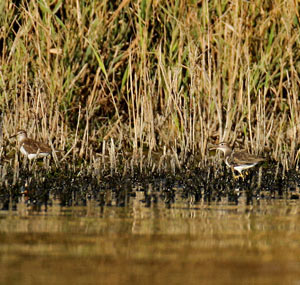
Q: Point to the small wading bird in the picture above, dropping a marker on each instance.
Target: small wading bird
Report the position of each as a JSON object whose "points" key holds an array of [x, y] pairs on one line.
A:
{"points": [[32, 148], [238, 160]]}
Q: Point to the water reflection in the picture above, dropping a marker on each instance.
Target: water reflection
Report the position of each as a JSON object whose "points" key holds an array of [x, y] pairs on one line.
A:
{"points": [[212, 242]]}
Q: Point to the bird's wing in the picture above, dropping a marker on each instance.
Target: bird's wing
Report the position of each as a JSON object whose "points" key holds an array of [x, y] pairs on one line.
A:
{"points": [[33, 146], [243, 157]]}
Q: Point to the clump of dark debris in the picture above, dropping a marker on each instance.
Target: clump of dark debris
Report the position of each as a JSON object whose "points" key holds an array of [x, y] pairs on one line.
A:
{"points": [[39, 185]]}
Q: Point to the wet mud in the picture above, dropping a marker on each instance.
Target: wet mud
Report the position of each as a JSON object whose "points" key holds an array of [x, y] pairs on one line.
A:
{"points": [[211, 183]]}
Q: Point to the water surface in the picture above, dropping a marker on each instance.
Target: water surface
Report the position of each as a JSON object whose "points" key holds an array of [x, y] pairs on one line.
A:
{"points": [[203, 243]]}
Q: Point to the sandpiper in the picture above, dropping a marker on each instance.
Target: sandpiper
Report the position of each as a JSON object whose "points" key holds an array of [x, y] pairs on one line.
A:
{"points": [[238, 160], [32, 148]]}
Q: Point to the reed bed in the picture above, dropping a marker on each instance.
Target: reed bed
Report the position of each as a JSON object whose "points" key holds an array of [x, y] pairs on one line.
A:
{"points": [[134, 83]]}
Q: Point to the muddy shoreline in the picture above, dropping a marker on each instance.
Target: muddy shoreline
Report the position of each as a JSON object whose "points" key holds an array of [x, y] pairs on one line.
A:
{"points": [[38, 185]]}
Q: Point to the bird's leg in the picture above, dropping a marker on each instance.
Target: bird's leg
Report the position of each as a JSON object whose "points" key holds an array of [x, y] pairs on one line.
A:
{"points": [[235, 177], [241, 175], [238, 176]]}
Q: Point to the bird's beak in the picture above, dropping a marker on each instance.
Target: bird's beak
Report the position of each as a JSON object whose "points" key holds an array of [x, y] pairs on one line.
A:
{"points": [[215, 147], [13, 136]]}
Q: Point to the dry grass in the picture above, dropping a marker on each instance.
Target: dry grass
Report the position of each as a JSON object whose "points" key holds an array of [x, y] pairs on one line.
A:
{"points": [[134, 78]]}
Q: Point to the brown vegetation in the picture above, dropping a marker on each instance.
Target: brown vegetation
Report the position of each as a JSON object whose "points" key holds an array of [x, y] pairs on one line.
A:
{"points": [[134, 79]]}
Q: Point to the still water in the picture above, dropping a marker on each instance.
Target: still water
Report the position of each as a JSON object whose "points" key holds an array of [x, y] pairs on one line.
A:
{"points": [[203, 243]]}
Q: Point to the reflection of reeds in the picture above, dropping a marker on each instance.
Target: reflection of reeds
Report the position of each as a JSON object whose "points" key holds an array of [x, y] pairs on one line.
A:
{"points": [[148, 78]]}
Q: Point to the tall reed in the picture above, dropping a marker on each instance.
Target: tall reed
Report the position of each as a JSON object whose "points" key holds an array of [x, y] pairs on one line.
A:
{"points": [[147, 75]]}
